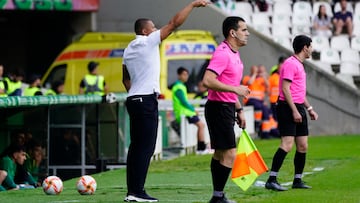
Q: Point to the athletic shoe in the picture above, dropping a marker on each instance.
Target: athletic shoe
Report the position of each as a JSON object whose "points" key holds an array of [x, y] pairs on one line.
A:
{"points": [[274, 185], [300, 185], [222, 199], [140, 198], [205, 151]]}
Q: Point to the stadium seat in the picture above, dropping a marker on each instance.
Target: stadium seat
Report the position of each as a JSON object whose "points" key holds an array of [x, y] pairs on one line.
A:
{"points": [[284, 8], [355, 43], [330, 56], [263, 29], [280, 31], [340, 42], [301, 20], [356, 30], [280, 19], [320, 43], [300, 29], [283, 1], [260, 19], [350, 55], [243, 8], [302, 8], [349, 68], [349, 7], [327, 5], [283, 41], [356, 18], [357, 8]]}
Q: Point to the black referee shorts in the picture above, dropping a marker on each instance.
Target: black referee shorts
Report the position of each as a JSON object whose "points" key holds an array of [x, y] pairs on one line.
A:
{"points": [[220, 119], [286, 123]]}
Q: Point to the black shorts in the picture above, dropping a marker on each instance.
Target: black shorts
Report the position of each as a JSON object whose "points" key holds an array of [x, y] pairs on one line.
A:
{"points": [[220, 119], [286, 124], [193, 119]]}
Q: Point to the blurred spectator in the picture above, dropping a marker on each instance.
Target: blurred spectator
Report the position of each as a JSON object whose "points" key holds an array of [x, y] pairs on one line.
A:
{"points": [[57, 88], [322, 23], [93, 83], [201, 93], [14, 157], [262, 5], [226, 5], [33, 161], [257, 82], [13, 83], [343, 20], [2, 86], [34, 86], [274, 85]]}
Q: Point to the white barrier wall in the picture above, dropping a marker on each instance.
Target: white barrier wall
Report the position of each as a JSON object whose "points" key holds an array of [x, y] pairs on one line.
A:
{"points": [[158, 147], [189, 131]]}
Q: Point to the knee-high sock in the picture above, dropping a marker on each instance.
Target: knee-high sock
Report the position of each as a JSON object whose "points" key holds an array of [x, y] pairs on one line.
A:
{"points": [[299, 164], [220, 175], [277, 162]]}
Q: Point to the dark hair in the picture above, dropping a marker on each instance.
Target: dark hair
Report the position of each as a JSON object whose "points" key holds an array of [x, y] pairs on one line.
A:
{"points": [[56, 84], [231, 23], [14, 148], [181, 69], [281, 59], [92, 65], [140, 24], [319, 14], [300, 41]]}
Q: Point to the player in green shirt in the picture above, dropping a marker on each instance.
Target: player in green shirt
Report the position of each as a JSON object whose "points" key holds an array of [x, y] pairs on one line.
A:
{"points": [[16, 155]]}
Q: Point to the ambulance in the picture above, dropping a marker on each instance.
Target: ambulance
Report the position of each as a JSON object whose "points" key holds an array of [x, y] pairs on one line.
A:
{"points": [[71, 64], [191, 49]]}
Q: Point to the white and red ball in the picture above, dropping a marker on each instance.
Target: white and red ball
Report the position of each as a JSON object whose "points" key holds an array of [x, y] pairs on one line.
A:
{"points": [[52, 185], [86, 185]]}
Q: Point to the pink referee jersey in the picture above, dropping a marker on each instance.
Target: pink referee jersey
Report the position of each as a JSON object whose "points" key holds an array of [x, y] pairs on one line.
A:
{"points": [[229, 68], [293, 70]]}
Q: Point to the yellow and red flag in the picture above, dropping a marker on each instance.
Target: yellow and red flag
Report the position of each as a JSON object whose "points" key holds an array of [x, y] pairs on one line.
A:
{"points": [[248, 163]]}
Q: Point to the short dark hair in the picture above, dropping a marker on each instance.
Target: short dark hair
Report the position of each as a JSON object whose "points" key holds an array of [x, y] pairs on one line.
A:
{"points": [[181, 69], [229, 23], [92, 66], [140, 24], [300, 41], [14, 147]]}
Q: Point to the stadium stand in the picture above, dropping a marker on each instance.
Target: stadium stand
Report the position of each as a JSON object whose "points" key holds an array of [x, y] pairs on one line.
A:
{"points": [[350, 55], [355, 43], [340, 42], [317, 4]]}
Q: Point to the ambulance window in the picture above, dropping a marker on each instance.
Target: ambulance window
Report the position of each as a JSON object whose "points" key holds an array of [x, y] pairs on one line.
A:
{"points": [[196, 68], [57, 74]]}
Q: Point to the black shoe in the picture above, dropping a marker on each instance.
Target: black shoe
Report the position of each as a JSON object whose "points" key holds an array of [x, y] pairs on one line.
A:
{"points": [[300, 185], [140, 198], [274, 185], [222, 199]]}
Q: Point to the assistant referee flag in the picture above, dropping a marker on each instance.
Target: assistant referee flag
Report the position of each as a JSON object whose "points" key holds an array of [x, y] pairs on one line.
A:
{"points": [[248, 163]]}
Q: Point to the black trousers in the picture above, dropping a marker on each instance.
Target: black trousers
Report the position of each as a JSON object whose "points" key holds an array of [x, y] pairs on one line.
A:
{"points": [[144, 118]]}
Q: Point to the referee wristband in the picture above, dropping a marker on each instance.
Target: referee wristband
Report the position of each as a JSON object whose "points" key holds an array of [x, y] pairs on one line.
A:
{"points": [[309, 108], [239, 110]]}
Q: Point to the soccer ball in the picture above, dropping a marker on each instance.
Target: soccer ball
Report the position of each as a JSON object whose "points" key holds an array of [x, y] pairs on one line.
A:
{"points": [[110, 98], [52, 185], [86, 185]]}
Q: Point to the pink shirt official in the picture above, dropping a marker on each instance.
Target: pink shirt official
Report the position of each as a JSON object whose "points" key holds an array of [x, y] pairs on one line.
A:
{"points": [[227, 65]]}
